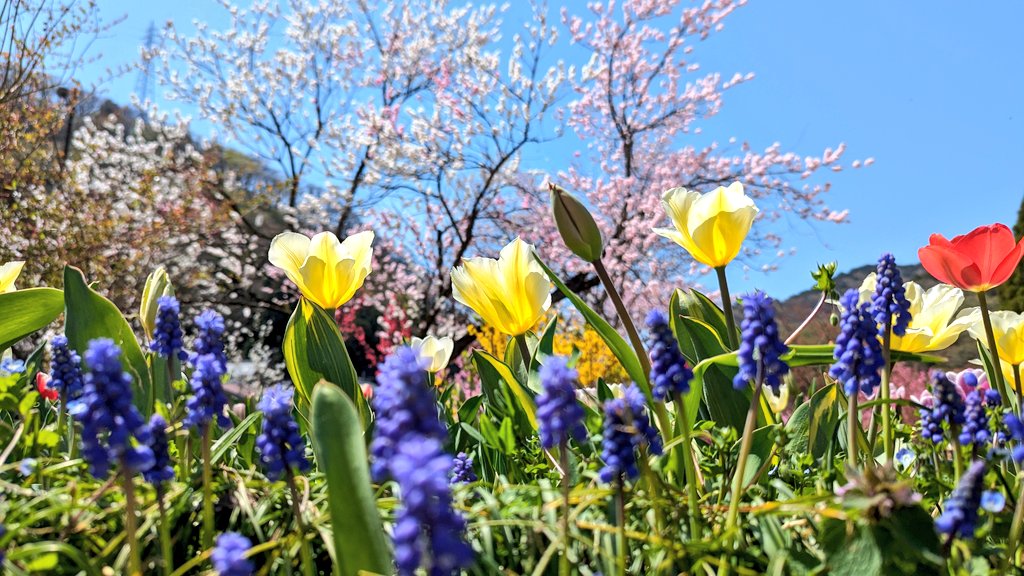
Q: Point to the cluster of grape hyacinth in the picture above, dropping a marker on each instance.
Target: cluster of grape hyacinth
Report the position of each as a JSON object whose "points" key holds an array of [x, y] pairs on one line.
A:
{"points": [[167, 335], [280, 444], [109, 419], [426, 521], [947, 407], [162, 470], [670, 374], [761, 350], [559, 415], [65, 369], [959, 516], [228, 555], [626, 428], [209, 367], [462, 469], [408, 447], [858, 352], [975, 429], [404, 405], [890, 304], [1015, 431]]}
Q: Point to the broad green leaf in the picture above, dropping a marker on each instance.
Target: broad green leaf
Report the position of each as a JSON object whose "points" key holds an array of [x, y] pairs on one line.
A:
{"points": [[547, 339], [696, 305], [814, 422], [359, 539], [88, 316], [616, 343], [521, 394], [25, 311], [851, 549], [313, 351], [760, 450], [469, 409]]}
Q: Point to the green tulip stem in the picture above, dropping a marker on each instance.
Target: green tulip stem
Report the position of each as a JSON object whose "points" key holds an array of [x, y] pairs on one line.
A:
{"points": [[164, 529], [852, 426], [686, 455], [993, 351], [524, 350], [737, 480], [1016, 525], [887, 435], [207, 532], [62, 412], [308, 568], [1016, 386], [730, 321], [564, 566], [130, 522], [620, 525]]}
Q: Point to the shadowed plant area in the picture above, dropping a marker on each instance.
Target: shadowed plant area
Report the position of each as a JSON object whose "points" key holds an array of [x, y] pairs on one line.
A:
{"points": [[377, 338]]}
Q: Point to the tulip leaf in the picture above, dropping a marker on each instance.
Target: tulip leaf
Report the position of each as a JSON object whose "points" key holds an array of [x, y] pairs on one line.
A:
{"points": [[360, 543], [521, 394], [814, 423], [762, 443], [88, 315], [26, 311], [313, 351], [616, 343], [697, 305]]}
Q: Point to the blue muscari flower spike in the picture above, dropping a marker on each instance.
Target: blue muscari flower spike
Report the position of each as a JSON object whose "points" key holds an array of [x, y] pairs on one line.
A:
{"points": [[108, 417], [280, 444], [858, 352], [760, 347], [229, 555], [428, 531], [669, 372], [167, 333], [975, 428], [462, 469], [626, 428], [209, 367], [3, 531], [890, 303], [947, 407], [559, 415], [65, 369], [162, 469], [1015, 429], [405, 405], [959, 517]]}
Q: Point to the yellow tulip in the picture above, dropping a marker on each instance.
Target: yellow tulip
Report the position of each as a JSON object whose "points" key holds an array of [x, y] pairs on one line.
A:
{"points": [[8, 274], [934, 322], [1008, 328], [712, 226], [510, 293], [436, 350], [328, 272]]}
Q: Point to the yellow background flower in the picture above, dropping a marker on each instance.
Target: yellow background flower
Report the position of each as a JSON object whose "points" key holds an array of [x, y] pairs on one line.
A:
{"points": [[328, 272], [712, 226], [510, 293], [8, 274], [934, 322], [1008, 328]]}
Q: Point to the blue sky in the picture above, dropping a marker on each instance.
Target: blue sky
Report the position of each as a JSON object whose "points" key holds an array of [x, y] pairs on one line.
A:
{"points": [[934, 91]]}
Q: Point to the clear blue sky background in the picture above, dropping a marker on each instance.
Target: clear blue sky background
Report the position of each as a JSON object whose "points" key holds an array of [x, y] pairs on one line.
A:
{"points": [[934, 91]]}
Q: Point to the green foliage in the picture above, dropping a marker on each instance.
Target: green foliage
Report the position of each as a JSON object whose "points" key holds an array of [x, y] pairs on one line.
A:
{"points": [[1011, 294], [26, 311]]}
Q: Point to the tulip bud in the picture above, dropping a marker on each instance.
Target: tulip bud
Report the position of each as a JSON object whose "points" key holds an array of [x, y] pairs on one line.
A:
{"points": [[576, 225], [157, 284]]}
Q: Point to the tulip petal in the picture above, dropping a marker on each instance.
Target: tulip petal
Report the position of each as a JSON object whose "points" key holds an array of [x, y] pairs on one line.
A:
{"points": [[9, 272], [986, 246], [947, 265], [288, 252], [316, 283], [1006, 268]]}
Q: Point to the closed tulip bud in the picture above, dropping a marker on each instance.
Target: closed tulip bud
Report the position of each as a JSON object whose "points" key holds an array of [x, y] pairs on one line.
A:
{"points": [[577, 227], [158, 284]]}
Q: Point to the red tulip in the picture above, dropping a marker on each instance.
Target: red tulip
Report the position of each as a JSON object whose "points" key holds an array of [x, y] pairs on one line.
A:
{"points": [[43, 385], [977, 261]]}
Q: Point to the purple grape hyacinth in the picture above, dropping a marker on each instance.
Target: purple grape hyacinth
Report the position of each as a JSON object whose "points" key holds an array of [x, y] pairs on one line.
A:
{"points": [[559, 415], [761, 350], [209, 367], [162, 470], [167, 335], [858, 352], [975, 429], [462, 469], [626, 428], [428, 531], [959, 517], [947, 407], [405, 405], [670, 374], [229, 555], [113, 431], [65, 369], [890, 304], [280, 444]]}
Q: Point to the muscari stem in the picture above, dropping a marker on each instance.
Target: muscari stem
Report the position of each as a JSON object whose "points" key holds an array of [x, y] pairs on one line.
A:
{"points": [[1016, 525], [130, 526], [564, 568], [992, 350], [852, 426], [62, 412], [689, 466], [730, 321], [166, 550], [207, 532], [1016, 386], [620, 524], [308, 568], [737, 480], [887, 435]]}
